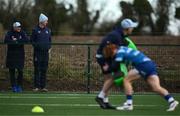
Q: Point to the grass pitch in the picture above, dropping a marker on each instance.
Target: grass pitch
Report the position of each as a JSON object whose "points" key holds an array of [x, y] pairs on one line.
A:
{"points": [[80, 105]]}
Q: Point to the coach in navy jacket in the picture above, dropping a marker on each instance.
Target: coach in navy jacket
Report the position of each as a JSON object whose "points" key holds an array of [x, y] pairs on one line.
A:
{"points": [[15, 39], [41, 41]]}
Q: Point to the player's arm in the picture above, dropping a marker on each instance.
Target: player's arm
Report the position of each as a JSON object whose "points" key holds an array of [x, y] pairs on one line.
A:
{"points": [[33, 38], [118, 72], [9, 40]]}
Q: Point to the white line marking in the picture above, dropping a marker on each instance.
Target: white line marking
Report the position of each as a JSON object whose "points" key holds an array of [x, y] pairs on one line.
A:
{"points": [[36, 97], [69, 95], [95, 115], [68, 105], [55, 96], [75, 94], [60, 94]]}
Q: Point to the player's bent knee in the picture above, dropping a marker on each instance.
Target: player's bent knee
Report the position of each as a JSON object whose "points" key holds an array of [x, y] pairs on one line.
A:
{"points": [[157, 89]]}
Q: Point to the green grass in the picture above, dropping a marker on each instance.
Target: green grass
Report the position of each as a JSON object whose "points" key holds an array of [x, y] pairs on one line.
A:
{"points": [[80, 105]]}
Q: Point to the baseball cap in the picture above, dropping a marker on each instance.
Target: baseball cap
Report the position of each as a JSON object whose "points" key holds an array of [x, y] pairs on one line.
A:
{"points": [[17, 24], [128, 23]]}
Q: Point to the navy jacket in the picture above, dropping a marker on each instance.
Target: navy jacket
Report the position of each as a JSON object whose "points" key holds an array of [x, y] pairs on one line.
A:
{"points": [[115, 37], [15, 53], [41, 38]]}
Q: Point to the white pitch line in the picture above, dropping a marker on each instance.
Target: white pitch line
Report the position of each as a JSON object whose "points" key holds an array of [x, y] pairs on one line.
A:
{"points": [[80, 94], [36, 97], [96, 115], [73, 96], [60, 96], [36, 94], [70, 95], [67, 105]]}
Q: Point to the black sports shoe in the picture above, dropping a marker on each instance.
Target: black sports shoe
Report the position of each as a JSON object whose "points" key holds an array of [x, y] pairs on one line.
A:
{"points": [[109, 106], [100, 102]]}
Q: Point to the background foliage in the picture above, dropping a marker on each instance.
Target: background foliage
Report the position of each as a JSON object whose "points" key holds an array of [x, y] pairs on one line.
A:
{"points": [[65, 19]]}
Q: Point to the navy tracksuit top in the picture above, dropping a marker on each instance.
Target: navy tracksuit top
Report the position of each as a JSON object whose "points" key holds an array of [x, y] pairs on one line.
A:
{"points": [[41, 38]]}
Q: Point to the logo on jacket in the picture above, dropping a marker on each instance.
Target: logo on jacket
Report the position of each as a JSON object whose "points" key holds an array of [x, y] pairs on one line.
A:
{"points": [[20, 37], [39, 31], [35, 59], [47, 32], [13, 38]]}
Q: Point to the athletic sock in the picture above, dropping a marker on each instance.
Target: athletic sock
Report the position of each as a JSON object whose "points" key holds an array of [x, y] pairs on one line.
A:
{"points": [[106, 100], [169, 98], [129, 99], [101, 95]]}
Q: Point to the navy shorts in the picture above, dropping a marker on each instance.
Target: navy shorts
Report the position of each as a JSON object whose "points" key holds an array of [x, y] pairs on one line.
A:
{"points": [[146, 69]]}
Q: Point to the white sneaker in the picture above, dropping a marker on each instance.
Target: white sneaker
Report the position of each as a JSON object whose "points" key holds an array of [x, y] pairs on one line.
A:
{"points": [[173, 106], [36, 89], [125, 107]]}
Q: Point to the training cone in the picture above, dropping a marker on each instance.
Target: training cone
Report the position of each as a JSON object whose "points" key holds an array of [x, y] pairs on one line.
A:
{"points": [[37, 109]]}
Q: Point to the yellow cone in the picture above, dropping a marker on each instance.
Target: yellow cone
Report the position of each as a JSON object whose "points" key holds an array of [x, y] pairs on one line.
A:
{"points": [[37, 109]]}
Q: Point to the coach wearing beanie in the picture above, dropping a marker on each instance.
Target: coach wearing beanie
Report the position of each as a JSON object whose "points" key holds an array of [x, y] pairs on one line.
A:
{"points": [[41, 41]]}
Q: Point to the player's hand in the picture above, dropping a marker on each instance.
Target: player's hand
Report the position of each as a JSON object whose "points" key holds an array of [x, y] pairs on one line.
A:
{"points": [[105, 67]]}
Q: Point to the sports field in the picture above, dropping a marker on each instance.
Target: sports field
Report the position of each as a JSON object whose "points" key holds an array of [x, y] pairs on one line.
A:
{"points": [[80, 105]]}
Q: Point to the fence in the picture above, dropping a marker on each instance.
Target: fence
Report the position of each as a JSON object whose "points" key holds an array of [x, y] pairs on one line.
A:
{"points": [[73, 68]]}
